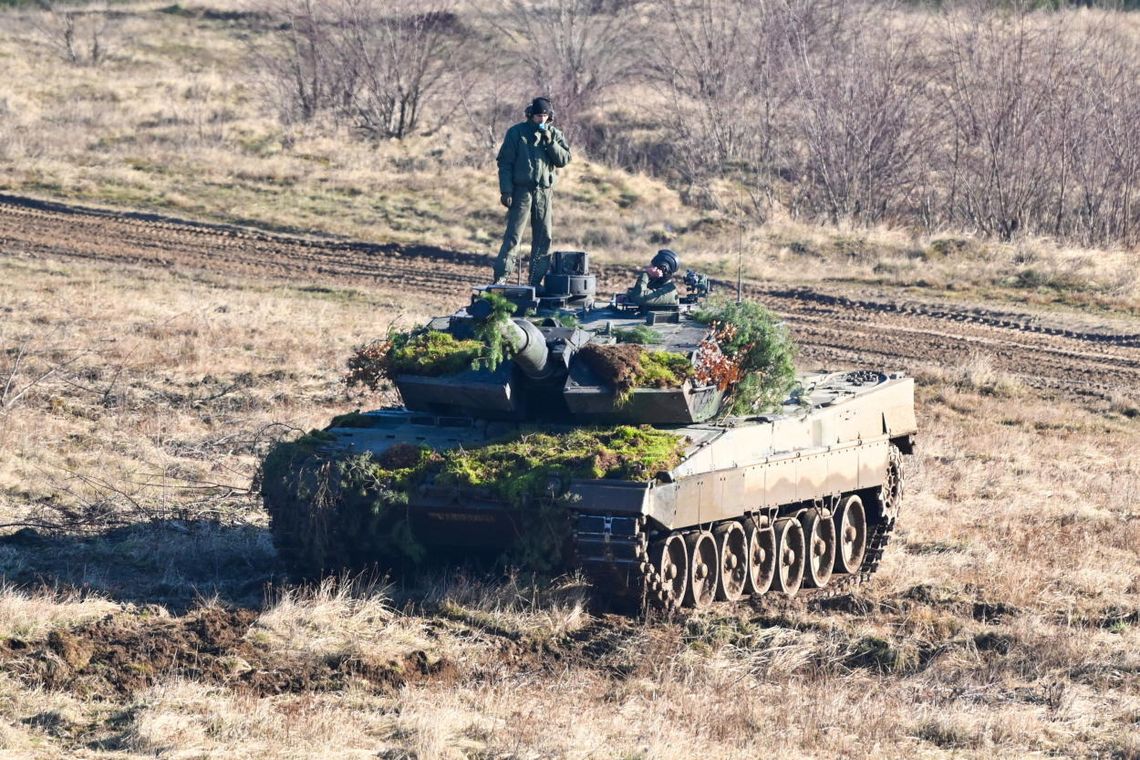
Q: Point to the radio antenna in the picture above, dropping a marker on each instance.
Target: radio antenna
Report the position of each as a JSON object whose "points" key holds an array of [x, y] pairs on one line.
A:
{"points": [[739, 247]]}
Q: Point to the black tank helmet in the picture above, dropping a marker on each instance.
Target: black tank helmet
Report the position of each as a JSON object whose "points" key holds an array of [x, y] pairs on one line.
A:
{"points": [[540, 105], [666, 261]]}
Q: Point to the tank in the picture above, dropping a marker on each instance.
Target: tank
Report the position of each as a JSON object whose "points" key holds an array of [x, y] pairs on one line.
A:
{"points": [[540, 451]]}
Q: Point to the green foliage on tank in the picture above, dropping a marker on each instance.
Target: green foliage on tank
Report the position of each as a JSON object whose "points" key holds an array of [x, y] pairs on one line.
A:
{"points": [[431, 353], [495, 348], [336, 510], [759, 342]]}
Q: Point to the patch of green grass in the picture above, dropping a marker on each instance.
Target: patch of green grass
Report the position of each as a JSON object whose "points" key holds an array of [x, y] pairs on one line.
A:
{"points": [[639, 334]]}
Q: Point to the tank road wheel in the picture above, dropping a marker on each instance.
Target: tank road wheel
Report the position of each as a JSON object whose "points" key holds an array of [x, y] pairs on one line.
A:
{"points": [[851, 535], [670, 560], [732, 547], [704, 569], [761, 560], [819, 540], [789, 556]]}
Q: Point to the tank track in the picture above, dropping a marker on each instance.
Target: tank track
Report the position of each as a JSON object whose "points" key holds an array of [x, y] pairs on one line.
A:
{"points": [[616, 562], [613, 551]]}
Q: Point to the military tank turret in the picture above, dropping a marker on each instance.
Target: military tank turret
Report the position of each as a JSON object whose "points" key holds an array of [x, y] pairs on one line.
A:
{"points": [[666, 451]]}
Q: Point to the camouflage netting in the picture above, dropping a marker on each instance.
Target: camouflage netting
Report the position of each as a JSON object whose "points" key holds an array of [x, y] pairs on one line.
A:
{"points": [[333, 511]]}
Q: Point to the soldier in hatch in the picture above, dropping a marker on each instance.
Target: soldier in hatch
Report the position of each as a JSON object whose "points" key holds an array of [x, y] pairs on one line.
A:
{"points": [[655, 286], [532, 153]]}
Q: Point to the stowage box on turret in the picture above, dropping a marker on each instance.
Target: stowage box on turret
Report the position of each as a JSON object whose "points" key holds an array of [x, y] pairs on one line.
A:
{"points": [[532, 427]]}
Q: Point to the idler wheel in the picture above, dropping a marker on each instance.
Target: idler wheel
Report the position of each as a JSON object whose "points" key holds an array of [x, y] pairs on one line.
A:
{"points": [[789, 556], [704, 569], [761, 560], [819, 540], [670, 559], [892, 490], [851, 535], [732, 546]]}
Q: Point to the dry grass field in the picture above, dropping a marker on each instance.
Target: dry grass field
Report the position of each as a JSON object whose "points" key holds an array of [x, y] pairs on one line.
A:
{"points": [[176, 119], [1003, 622], [143, 610]]}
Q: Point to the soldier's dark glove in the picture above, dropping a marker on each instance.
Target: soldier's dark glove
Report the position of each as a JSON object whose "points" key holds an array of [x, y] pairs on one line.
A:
{"points": [[547, 136], [505, 200]]}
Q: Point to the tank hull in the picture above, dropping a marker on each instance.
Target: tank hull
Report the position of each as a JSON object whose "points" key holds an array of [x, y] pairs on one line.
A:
{"points": [[843, 438]]}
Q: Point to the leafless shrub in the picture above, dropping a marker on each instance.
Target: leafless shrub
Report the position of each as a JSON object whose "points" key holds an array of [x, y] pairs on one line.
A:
{"points": [[80, 36], [718, 68], [857, 112], [397, 62], [487, 104], [576, 51], [999, 100], [373, 64], [298, 68]]}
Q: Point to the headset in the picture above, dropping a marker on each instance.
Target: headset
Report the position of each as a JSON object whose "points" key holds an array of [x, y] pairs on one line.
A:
{"points": [[530, 110]]}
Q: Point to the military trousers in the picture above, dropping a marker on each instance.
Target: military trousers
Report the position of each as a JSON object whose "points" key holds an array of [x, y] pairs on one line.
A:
{"points": [[531, 204]]}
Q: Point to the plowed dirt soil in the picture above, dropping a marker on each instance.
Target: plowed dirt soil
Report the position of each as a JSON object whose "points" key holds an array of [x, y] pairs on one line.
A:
{"points": [[1099, 359]]}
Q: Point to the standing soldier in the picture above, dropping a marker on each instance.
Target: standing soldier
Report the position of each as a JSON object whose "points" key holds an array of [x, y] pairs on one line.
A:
{"points": [[533, 151]]}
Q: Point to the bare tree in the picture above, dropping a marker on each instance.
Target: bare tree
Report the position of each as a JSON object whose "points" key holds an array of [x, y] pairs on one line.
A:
{"points": [[78, 35], [1103, 146], [857, 108], [719, 72], [575, 51], [997, 98], [300, 64], [399, 62], [370, 62]]}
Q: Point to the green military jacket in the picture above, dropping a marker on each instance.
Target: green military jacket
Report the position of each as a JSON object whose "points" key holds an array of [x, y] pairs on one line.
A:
{"points": [[527, 161], [646, 292]]}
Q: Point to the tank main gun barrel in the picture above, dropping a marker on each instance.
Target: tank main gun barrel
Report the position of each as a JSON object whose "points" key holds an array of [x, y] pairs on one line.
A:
{"points": [[528, 344]]}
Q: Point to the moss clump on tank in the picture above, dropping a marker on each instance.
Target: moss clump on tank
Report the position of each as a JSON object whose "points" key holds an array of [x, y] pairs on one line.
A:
{"points": [[540, 464], [351, 420], [625, 366], [424, 352], [753, 338], [332, 511], [431, 353], [663, 369]]}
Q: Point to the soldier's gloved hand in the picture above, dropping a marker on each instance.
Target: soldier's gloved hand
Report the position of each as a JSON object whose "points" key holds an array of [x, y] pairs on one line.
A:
{"points": [[546, 136], [505, 200]]}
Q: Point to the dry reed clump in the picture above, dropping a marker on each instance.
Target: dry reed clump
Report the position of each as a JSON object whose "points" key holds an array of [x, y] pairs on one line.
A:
{"points": [[519, 607], [978, 375], [336, 619], [181, 717], [29, 615]]}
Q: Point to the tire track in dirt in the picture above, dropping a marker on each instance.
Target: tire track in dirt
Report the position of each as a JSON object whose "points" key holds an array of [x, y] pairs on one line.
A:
{"points": [[832, 328]]}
